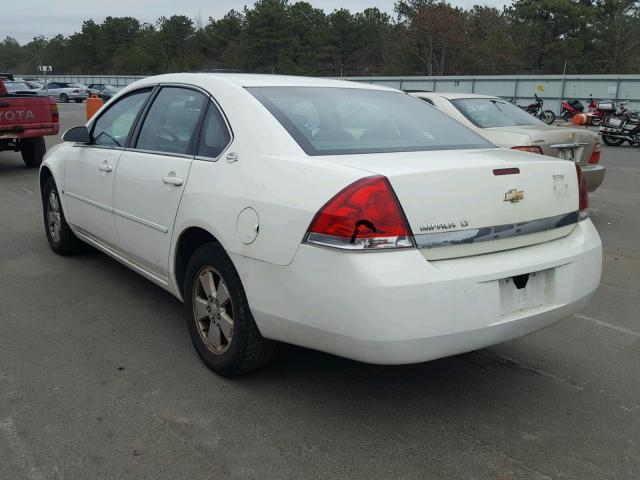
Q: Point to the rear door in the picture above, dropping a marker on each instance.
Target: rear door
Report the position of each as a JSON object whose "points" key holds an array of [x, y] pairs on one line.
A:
{"points": [[90, 169], [151, 176]]}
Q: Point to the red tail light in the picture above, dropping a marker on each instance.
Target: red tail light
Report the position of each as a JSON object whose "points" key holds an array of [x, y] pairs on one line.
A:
{"points": [[530, 149], [583, 195], [595, 155], [365, 215], [55, 114]]}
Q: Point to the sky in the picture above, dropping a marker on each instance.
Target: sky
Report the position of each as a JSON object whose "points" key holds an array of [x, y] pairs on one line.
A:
{"points": [[25, 19]]}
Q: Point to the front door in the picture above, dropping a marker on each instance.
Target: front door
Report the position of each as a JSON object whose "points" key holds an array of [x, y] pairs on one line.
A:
{"points": [[90, 169], [151, 177]]}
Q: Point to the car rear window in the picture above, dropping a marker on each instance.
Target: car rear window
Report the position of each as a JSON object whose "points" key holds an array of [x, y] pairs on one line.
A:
{"points": [[334, 121], [16, 86], [493, 112]]}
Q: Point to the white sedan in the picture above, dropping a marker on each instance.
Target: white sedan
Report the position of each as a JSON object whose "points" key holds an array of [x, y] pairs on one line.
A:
{"points": [[348, 218], [509, 126], [65, 92]]}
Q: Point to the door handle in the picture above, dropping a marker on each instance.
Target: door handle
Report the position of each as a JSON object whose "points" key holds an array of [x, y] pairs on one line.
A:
{"points": [[105, 167], [175, 181]]}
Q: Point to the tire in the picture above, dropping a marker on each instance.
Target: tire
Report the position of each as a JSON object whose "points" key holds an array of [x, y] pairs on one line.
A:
{"points": [[64, 98], [548, 117], [32, 151], [612, 141], [78, 100], [232, 348], [60, 237], [567, 116]]}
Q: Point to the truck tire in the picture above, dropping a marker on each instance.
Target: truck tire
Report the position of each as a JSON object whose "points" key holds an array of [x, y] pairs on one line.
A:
{"points": [[64, 98], [33, 150]]}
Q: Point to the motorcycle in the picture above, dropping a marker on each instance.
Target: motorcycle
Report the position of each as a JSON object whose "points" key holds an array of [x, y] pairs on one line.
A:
{"points": [[623, 109], [619, 127], [571, 108], [597, 111], [535, 109]]}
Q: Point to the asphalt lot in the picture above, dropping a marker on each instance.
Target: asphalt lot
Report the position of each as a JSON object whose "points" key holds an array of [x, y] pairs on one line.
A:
{"points": [[98, 378]]}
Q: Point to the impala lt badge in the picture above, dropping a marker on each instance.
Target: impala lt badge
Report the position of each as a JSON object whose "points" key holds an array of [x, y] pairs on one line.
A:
{"points": [[430, 227], [437, 226], [514, 195]]}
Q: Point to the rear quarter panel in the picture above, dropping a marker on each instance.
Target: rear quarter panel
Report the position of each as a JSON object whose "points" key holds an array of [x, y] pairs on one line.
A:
{"points": [[272, 175]]}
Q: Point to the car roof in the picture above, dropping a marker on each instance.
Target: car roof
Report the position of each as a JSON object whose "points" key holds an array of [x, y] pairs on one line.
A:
{"points": [[256, 80], [450, 96]]}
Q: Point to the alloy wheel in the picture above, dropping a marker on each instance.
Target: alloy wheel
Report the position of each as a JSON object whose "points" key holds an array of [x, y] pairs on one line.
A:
{"points": [[54, 216], [213, 310]]}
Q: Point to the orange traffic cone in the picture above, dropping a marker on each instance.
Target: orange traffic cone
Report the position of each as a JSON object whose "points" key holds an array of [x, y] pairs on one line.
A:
{"points": [[94, 103]]}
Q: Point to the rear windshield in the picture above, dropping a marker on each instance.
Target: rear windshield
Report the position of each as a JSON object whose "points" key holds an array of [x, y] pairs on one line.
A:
{"points": [[493, 112], [334, 121], [16, 86]]}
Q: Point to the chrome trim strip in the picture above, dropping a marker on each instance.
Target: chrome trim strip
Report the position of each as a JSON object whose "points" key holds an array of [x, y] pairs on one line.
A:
{"points": [[497, 232], [156, 152], [90, 202], [112, 252], [568, 145], [141, 221]]}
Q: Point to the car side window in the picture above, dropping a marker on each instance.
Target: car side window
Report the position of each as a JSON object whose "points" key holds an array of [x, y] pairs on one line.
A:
{"points": [[112, 128], [170, 125], [215, 135]]}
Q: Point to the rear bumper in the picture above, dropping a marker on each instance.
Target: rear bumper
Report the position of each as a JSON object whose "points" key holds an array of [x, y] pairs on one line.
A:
{"points": [[593, 175], [78, 96], [32, 131], [395, 307]]}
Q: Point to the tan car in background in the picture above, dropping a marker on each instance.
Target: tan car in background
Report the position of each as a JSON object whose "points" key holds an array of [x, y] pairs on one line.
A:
{"points": [[508, 126]]}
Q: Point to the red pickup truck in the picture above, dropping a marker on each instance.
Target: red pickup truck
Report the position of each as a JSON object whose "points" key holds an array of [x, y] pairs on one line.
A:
{"points": [[25, 118]]}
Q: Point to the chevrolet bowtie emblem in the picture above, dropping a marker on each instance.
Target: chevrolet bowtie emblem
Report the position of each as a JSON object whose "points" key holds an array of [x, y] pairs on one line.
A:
{"points": [[572, 137], [514, 195]]}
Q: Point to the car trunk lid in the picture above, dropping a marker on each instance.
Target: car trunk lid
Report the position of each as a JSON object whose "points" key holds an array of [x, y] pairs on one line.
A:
{"points": [[567, 143], [460, 203]]}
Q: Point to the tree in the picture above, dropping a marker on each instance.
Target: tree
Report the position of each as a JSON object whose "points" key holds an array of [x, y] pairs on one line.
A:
{"points": [[224, 42], [617, 44], [268, 33], [174, 36], [552, 32], [437, 38], [491, 48]]}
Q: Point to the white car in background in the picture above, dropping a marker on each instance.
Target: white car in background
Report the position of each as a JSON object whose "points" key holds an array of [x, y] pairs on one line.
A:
{"points": [[66, 92], [508, 126], [343, 217]]}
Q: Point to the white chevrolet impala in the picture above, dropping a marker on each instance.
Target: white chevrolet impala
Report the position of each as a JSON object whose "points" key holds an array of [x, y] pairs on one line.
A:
{"points": [[348, 218]]}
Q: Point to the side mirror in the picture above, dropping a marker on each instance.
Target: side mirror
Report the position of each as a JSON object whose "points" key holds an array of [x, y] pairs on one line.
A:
{"points": [[77, 135]]}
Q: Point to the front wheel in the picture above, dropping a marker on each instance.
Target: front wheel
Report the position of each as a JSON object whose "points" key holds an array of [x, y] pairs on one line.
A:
{"points": [[64, 98], [218, 317], [32, 151], [612, 141], [60, 237], [548, 117]]}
